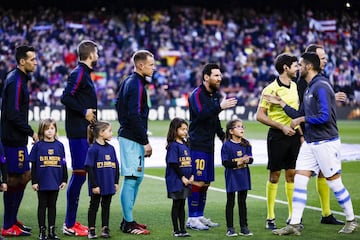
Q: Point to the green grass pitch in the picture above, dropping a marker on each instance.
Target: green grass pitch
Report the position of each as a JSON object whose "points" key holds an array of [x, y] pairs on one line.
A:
{"points": [[349, 130], [153, 207]]}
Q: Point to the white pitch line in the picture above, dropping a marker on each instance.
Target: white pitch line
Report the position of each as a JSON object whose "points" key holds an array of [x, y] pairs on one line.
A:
{"points": [[254, 196]]}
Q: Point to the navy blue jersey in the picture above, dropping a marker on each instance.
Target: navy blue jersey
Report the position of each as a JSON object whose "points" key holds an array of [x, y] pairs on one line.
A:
{"points": [[101, 161], [15, 110], [237, 178], [204, 120], [78, 96], [48, 167], [133, 110], [180, 154]]}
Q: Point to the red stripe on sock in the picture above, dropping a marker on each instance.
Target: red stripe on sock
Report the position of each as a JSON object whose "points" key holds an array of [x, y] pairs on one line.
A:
{"points": [[195, 188], [79, 172]]}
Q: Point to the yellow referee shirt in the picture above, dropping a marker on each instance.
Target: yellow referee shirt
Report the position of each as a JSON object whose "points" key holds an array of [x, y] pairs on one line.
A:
{"points": [[288, 94]]}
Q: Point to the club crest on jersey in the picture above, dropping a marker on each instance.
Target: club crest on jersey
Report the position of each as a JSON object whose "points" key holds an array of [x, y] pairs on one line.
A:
{"points": [[186, 153], [51, 151], [107, 157], [239, 153]]}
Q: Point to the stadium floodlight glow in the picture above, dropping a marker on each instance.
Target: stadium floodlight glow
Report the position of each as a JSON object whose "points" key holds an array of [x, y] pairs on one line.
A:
{"points": [[347, 4]]}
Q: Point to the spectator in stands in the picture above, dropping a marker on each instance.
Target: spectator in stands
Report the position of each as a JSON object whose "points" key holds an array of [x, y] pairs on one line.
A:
{"points": [[246, 37]]}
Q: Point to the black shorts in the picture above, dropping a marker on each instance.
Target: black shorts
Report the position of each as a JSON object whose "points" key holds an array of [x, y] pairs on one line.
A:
{"points": [[282, 150]]}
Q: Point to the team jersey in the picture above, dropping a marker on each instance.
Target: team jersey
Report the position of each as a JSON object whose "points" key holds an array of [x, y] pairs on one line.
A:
{"points": [[177, 153], [105, 167], [236, 178], [15, 110], [133, 110], [204, 110], [48, 167], [288, 94], [78, 96]]}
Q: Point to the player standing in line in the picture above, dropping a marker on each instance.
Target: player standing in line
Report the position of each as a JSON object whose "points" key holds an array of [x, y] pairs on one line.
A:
{"points": [[204, 106], [283, 142], [178, 175], [102, 167], [48, 175], [321, 184], [79, 98], [236, 154], [15, 131], [133, 111]]}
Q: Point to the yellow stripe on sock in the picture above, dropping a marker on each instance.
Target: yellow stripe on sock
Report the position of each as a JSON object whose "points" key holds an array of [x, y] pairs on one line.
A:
{"points": [[289, 190], [324, 196], [271, 191]]}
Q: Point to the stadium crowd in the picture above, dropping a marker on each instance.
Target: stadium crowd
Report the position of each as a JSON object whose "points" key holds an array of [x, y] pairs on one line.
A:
{"points": [[244, 41]]}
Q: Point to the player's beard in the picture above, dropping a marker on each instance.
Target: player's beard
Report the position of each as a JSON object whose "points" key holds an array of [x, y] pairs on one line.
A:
{"points": [[214, 86], [303, 74]]}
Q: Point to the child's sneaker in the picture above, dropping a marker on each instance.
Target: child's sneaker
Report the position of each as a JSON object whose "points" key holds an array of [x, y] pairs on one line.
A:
{"points": [[105, 232], [177, 234], [185, 233], [231, 232], [92, 234], [245, 232]]}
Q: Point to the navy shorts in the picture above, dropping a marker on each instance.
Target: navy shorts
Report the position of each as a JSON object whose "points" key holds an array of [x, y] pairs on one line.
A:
{"points": [[203, 166], [17, 159]]}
